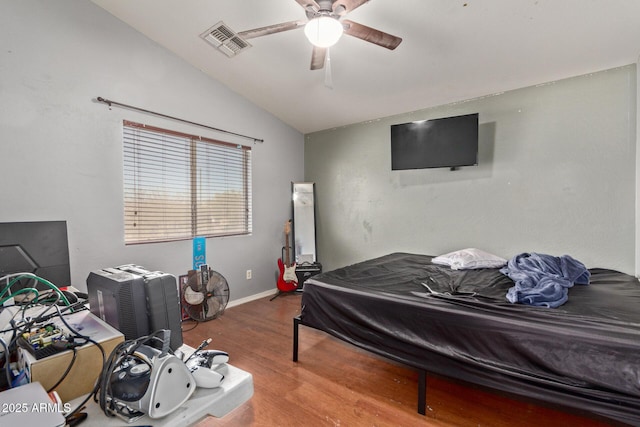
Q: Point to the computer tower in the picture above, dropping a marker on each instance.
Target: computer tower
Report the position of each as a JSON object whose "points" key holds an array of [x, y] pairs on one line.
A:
{"points": [[159, 303], [163, 301], [119, 298]]}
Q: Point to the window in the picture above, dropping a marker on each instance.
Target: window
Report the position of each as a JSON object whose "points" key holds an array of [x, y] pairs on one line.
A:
{"points": [[178, 186]]}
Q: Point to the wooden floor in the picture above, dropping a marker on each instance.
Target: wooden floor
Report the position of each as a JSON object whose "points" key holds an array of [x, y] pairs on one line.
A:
{"points": [[336, 384]]}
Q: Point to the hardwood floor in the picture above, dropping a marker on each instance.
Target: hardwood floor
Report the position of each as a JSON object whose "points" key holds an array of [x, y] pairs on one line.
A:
{"points": [[336, 384]]}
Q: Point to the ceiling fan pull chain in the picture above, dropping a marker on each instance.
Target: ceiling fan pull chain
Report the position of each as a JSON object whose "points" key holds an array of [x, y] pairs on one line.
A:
{"points": [[328, 78]]}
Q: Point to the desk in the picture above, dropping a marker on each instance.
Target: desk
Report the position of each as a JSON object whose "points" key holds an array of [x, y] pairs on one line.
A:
{"points": [[236, 389]]}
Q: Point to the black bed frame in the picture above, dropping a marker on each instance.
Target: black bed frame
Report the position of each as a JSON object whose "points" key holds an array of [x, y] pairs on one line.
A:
{"points": [[422, 374], [596, 321]]}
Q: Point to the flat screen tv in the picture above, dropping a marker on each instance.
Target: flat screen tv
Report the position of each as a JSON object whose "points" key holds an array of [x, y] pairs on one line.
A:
{"points": [[448, 142]]}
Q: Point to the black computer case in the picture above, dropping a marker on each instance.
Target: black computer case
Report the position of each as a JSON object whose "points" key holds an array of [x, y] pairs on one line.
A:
{"points": [[159, 304], [119, 298], [306, 270]]}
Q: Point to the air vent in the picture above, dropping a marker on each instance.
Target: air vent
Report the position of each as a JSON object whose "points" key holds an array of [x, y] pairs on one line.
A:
{"points": [[225, 39]]}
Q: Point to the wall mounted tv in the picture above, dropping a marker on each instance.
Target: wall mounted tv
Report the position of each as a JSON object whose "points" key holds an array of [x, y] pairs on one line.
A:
{"points": [[448, 142]]}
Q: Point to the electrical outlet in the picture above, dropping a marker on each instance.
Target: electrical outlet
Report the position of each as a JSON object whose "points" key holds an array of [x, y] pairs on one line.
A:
{"points": [[248, 274]]}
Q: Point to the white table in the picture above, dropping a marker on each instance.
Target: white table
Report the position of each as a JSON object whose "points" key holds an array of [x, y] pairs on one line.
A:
{"points": [[236, 389]]}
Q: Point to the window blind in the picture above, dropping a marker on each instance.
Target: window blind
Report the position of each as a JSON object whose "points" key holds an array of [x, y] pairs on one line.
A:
{"points": [[178, 186]]}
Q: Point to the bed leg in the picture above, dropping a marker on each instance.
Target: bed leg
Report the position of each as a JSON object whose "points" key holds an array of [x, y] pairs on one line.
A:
{"points": [[296, 322], [422, 392]]}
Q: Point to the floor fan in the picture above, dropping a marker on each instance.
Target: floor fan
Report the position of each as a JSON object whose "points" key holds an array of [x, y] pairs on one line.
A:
{"points": [[205, 294]]}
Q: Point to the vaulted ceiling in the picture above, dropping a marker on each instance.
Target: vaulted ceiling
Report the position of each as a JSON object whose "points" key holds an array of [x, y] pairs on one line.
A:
{"points": [[451, 50]]}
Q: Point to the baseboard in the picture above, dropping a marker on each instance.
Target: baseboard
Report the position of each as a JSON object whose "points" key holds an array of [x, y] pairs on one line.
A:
{"points": [[250, 298]]}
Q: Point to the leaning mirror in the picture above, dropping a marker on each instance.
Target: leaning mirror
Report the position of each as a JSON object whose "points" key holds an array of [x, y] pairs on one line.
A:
{"points": [[304, 222]]}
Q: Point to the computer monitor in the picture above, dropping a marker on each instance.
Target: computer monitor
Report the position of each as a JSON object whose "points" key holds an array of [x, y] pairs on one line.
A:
{"points": [[41, 248]]}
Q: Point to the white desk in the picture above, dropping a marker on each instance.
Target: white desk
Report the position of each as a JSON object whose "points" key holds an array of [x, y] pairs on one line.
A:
{"points": [[236, 389]]}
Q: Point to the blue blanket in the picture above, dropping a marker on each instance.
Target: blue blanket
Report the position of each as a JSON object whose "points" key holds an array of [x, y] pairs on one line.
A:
{"points": [[543, 280]]}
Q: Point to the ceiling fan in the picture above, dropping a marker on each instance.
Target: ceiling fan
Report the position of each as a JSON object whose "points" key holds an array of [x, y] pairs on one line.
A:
{"points": [[324, 27]]}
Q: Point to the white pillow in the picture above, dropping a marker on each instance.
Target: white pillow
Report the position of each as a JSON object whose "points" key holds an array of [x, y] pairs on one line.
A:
{"points": [[470, 258]]}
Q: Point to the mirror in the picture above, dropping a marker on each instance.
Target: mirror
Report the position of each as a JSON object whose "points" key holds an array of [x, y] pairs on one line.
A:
{"points": [[304, 222]]}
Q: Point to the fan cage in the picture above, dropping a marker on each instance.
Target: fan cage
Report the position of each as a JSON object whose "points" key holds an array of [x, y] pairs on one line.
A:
{"points": [[215, 292]]}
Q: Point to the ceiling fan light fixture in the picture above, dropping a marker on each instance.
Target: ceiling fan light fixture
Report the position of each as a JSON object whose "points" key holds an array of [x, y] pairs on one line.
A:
{"points": [[323, 31]]}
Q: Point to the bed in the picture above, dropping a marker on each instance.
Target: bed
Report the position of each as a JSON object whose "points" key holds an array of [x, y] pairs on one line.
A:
{"points": [[583, 355]]}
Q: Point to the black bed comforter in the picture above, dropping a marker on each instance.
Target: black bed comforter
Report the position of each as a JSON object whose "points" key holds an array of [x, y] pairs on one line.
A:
{"points": [[584, 354]]}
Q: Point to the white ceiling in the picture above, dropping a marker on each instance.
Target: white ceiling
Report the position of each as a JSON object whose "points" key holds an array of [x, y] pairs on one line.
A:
{"points": [[452, 50]]}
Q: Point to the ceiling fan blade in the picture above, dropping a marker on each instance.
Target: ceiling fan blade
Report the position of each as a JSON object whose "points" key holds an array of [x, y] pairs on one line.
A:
{"points": [[370, 34], [318, 56], [342, 7], [309, 5], [271, 29]]}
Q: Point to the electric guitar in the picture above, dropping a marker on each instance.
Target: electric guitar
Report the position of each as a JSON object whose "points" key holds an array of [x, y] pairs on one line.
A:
{"points": [[287, 280]]}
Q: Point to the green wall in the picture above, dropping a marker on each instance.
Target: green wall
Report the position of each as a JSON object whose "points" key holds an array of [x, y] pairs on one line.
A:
{"points": [[556, 175]]}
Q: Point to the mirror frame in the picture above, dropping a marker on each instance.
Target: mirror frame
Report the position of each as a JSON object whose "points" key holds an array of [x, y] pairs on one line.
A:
{"points": [[304, 222]]}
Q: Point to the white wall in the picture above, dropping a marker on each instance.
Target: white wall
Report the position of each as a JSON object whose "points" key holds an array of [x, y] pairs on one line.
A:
{"points": [[61, 152], [556, 175]]}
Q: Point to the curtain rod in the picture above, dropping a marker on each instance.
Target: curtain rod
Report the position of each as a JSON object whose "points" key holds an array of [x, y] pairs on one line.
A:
{"points": [[110, 103]]}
